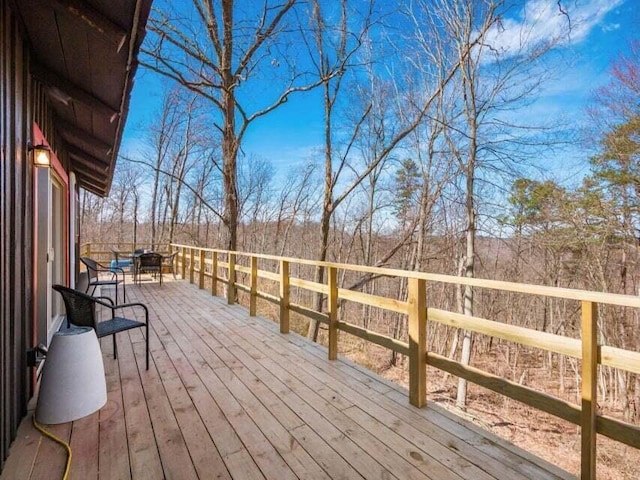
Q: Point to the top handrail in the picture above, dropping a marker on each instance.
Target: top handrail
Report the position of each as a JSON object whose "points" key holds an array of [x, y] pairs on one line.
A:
{"points": [[541, 290]]}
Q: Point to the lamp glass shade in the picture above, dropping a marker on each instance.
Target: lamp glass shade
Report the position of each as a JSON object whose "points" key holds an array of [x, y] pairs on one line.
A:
{"points": [[73, 383], [41, 157]]}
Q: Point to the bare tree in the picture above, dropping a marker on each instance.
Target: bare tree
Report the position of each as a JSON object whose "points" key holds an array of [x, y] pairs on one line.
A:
{"points": [[224, 51], [162, 135], [336, 162], [493, 82]]}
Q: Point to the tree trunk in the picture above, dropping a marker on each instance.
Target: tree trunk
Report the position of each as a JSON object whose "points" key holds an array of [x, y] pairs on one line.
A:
{"points": [[470, 240], [154, 203], [229, 138], [135, 216], [327, 207]]}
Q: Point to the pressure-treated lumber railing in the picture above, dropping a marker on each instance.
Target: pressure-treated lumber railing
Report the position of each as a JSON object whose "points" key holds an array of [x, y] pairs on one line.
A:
{"points": [[103, 251], [207, 263]]}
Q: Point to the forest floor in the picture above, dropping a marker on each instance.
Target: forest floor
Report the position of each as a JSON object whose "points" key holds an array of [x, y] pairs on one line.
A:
{"points": [[543, 435]]}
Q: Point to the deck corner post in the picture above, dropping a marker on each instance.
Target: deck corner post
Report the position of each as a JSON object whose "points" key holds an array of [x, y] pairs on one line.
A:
{"points": [[231, 286], [214, 273], [253, 286], [589, 390], [332, 304], [284, 296], [417, 310], [201, 276]]}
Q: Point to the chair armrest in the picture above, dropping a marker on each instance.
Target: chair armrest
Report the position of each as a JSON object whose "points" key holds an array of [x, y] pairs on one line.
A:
{"points": [[104, 304], [102, 265], [108, 269], [114, 271], [124, 305], [118, 271], [105, 298]]}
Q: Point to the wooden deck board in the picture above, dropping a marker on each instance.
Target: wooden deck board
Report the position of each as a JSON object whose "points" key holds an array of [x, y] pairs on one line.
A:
{"points": [[511, 465], [390, 412], [143, 447], [204, 454], [113, 456], [228, 396], [358, 430], [85, 438], [23, 452]]}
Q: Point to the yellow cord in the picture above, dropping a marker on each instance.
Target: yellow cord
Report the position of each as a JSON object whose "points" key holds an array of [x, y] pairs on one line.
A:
{"points": [[58, 440]]}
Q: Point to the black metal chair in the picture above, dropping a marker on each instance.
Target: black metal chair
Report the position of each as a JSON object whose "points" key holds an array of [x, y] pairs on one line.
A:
{"points": [[149, 263], [94, 269], [81, 312], [170, 261]]}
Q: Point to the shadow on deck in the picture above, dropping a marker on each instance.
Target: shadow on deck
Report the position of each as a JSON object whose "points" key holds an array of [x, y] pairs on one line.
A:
{"points": [[228, 396]]}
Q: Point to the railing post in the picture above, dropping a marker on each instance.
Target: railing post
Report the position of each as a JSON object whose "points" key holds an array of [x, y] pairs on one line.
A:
{"points": [[417, 310], [253, 283], [184, 263], [589, 389], [201, 276], [169, 252], [191, 266], [214, 273], [284, 296], [332, 307], [231, 290]]}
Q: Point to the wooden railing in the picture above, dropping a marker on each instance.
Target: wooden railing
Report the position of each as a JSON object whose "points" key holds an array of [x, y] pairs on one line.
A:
{"points": [[103, 251], [198, 264]]}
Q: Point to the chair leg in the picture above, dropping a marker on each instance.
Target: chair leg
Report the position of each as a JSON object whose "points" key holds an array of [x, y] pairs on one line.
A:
{"points": [[147, 338], [115, 347]]}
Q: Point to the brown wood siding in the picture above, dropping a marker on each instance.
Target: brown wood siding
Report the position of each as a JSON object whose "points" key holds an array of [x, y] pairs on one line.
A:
{"points": [[21, 103]]}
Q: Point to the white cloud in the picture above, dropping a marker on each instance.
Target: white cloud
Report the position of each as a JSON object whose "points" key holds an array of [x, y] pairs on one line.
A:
{"points": [[543, 21], [610, 27]]}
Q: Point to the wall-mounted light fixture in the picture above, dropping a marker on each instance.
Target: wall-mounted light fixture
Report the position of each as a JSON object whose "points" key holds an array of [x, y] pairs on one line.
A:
{"points": [[41, 155]]}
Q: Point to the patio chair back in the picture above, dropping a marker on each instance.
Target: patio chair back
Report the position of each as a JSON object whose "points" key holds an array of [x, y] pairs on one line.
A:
{"points": [[92, 268], [170, 261], [80, 307], [150, 263]]}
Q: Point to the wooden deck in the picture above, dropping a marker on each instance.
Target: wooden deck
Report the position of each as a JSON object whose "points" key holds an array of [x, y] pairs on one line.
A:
{"points": [[228, 396]]}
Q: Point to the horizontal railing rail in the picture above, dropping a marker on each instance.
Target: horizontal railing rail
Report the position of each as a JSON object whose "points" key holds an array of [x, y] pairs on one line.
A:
{"points": [[103, 251], [197, 264]]}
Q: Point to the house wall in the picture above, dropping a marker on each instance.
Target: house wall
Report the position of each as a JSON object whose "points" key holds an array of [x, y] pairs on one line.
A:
{"points": [[22, 102]]}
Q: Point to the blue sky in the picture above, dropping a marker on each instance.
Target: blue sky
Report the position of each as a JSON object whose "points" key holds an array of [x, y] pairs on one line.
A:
{"points": [[601, 31]]}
